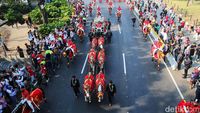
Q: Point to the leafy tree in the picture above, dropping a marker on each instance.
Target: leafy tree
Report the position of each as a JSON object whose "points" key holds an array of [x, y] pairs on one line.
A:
{"points": [[14, 17], [36, 16]]}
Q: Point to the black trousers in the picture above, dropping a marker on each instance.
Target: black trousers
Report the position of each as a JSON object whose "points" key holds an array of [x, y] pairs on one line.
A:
{"points": [[185, 72], [179, 66], [76, 91], [110, 96]]}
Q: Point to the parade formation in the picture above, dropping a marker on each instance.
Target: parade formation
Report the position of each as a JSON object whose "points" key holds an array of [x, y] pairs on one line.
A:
{"points": [[62, 48]]}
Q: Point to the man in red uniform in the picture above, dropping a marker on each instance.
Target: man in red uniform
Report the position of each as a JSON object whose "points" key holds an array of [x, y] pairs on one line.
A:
{"points": [[119, 9], [26, 98], [98, 11]]}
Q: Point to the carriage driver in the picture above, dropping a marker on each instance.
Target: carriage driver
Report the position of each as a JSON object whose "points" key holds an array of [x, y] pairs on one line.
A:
{"points": [[26, 98]]}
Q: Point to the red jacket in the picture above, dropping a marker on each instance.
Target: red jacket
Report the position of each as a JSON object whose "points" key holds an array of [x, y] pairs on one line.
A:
{"points": [[26, 94]]}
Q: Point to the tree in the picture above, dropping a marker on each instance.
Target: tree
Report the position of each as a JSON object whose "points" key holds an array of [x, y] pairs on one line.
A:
{"points": [[14, 17], [43, 11]]}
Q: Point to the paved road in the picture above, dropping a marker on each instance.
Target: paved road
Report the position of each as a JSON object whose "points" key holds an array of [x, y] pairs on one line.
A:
{"points": [[141, 90]]}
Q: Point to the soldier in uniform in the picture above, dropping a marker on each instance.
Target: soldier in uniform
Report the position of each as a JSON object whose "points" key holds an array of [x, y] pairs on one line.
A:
{"points": [[75, 85], [111, 90]]}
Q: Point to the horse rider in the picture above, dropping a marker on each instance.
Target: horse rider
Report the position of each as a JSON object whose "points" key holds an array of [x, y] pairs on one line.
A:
{"points": [[26, 98], [75, 85], [98, 11], [119, 9], [111, 90]]}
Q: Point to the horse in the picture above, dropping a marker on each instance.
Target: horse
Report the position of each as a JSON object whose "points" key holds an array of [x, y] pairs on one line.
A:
{"points": [[80, 33], [118, 14], [37, 97], [158, 55], [88, 87], [94, 43], [101, 59], [100, 85], [101, 42], [92, 59], [70, 51], [146, 31]]}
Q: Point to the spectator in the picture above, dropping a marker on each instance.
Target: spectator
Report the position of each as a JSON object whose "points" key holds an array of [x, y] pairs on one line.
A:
{"points": [[30, 36], [180, 59], [29, 21], [20, 51], [187, 66]]}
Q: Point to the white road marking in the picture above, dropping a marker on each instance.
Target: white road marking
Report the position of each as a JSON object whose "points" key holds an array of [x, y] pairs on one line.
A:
{"points": [[84, 64], [124, 60], [119, 29], [172, 77]]}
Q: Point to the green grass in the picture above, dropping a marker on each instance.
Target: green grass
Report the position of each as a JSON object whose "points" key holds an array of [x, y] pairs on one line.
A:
{"points": [[190, 13]]}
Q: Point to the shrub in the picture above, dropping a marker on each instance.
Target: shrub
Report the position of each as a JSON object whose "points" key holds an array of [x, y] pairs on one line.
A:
{"points": [[36, 16], [53, 11]]}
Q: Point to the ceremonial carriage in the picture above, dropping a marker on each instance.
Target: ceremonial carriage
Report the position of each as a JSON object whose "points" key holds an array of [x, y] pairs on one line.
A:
{"points": [[99, 26], [157, 53], [37, 97], [96, 59]]}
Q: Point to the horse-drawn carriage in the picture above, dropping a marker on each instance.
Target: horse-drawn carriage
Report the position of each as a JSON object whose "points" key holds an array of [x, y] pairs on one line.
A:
{"points": [[157, 53], [99, 26]]}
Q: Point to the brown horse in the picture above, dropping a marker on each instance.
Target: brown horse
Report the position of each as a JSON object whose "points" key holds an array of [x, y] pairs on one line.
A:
{"points": [[80, 33], [100, 85], [92, 59], [88, 87], [101, 59], [118, 14]]}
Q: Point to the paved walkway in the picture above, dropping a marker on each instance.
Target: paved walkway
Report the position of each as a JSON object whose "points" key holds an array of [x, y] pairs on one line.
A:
{"points": [[14, 37]]}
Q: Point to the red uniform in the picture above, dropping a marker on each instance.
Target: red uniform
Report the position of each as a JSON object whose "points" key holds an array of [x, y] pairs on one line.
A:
{"points": [[119, 9], [98, 9], [43, 70], [30, 71], [26, 94], [110, 4]]}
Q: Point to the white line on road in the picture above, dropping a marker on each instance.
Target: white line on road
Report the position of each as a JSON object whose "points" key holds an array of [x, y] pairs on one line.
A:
{"points": [[84, 64], [179, 91], [124, 60], [119, 29]]}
